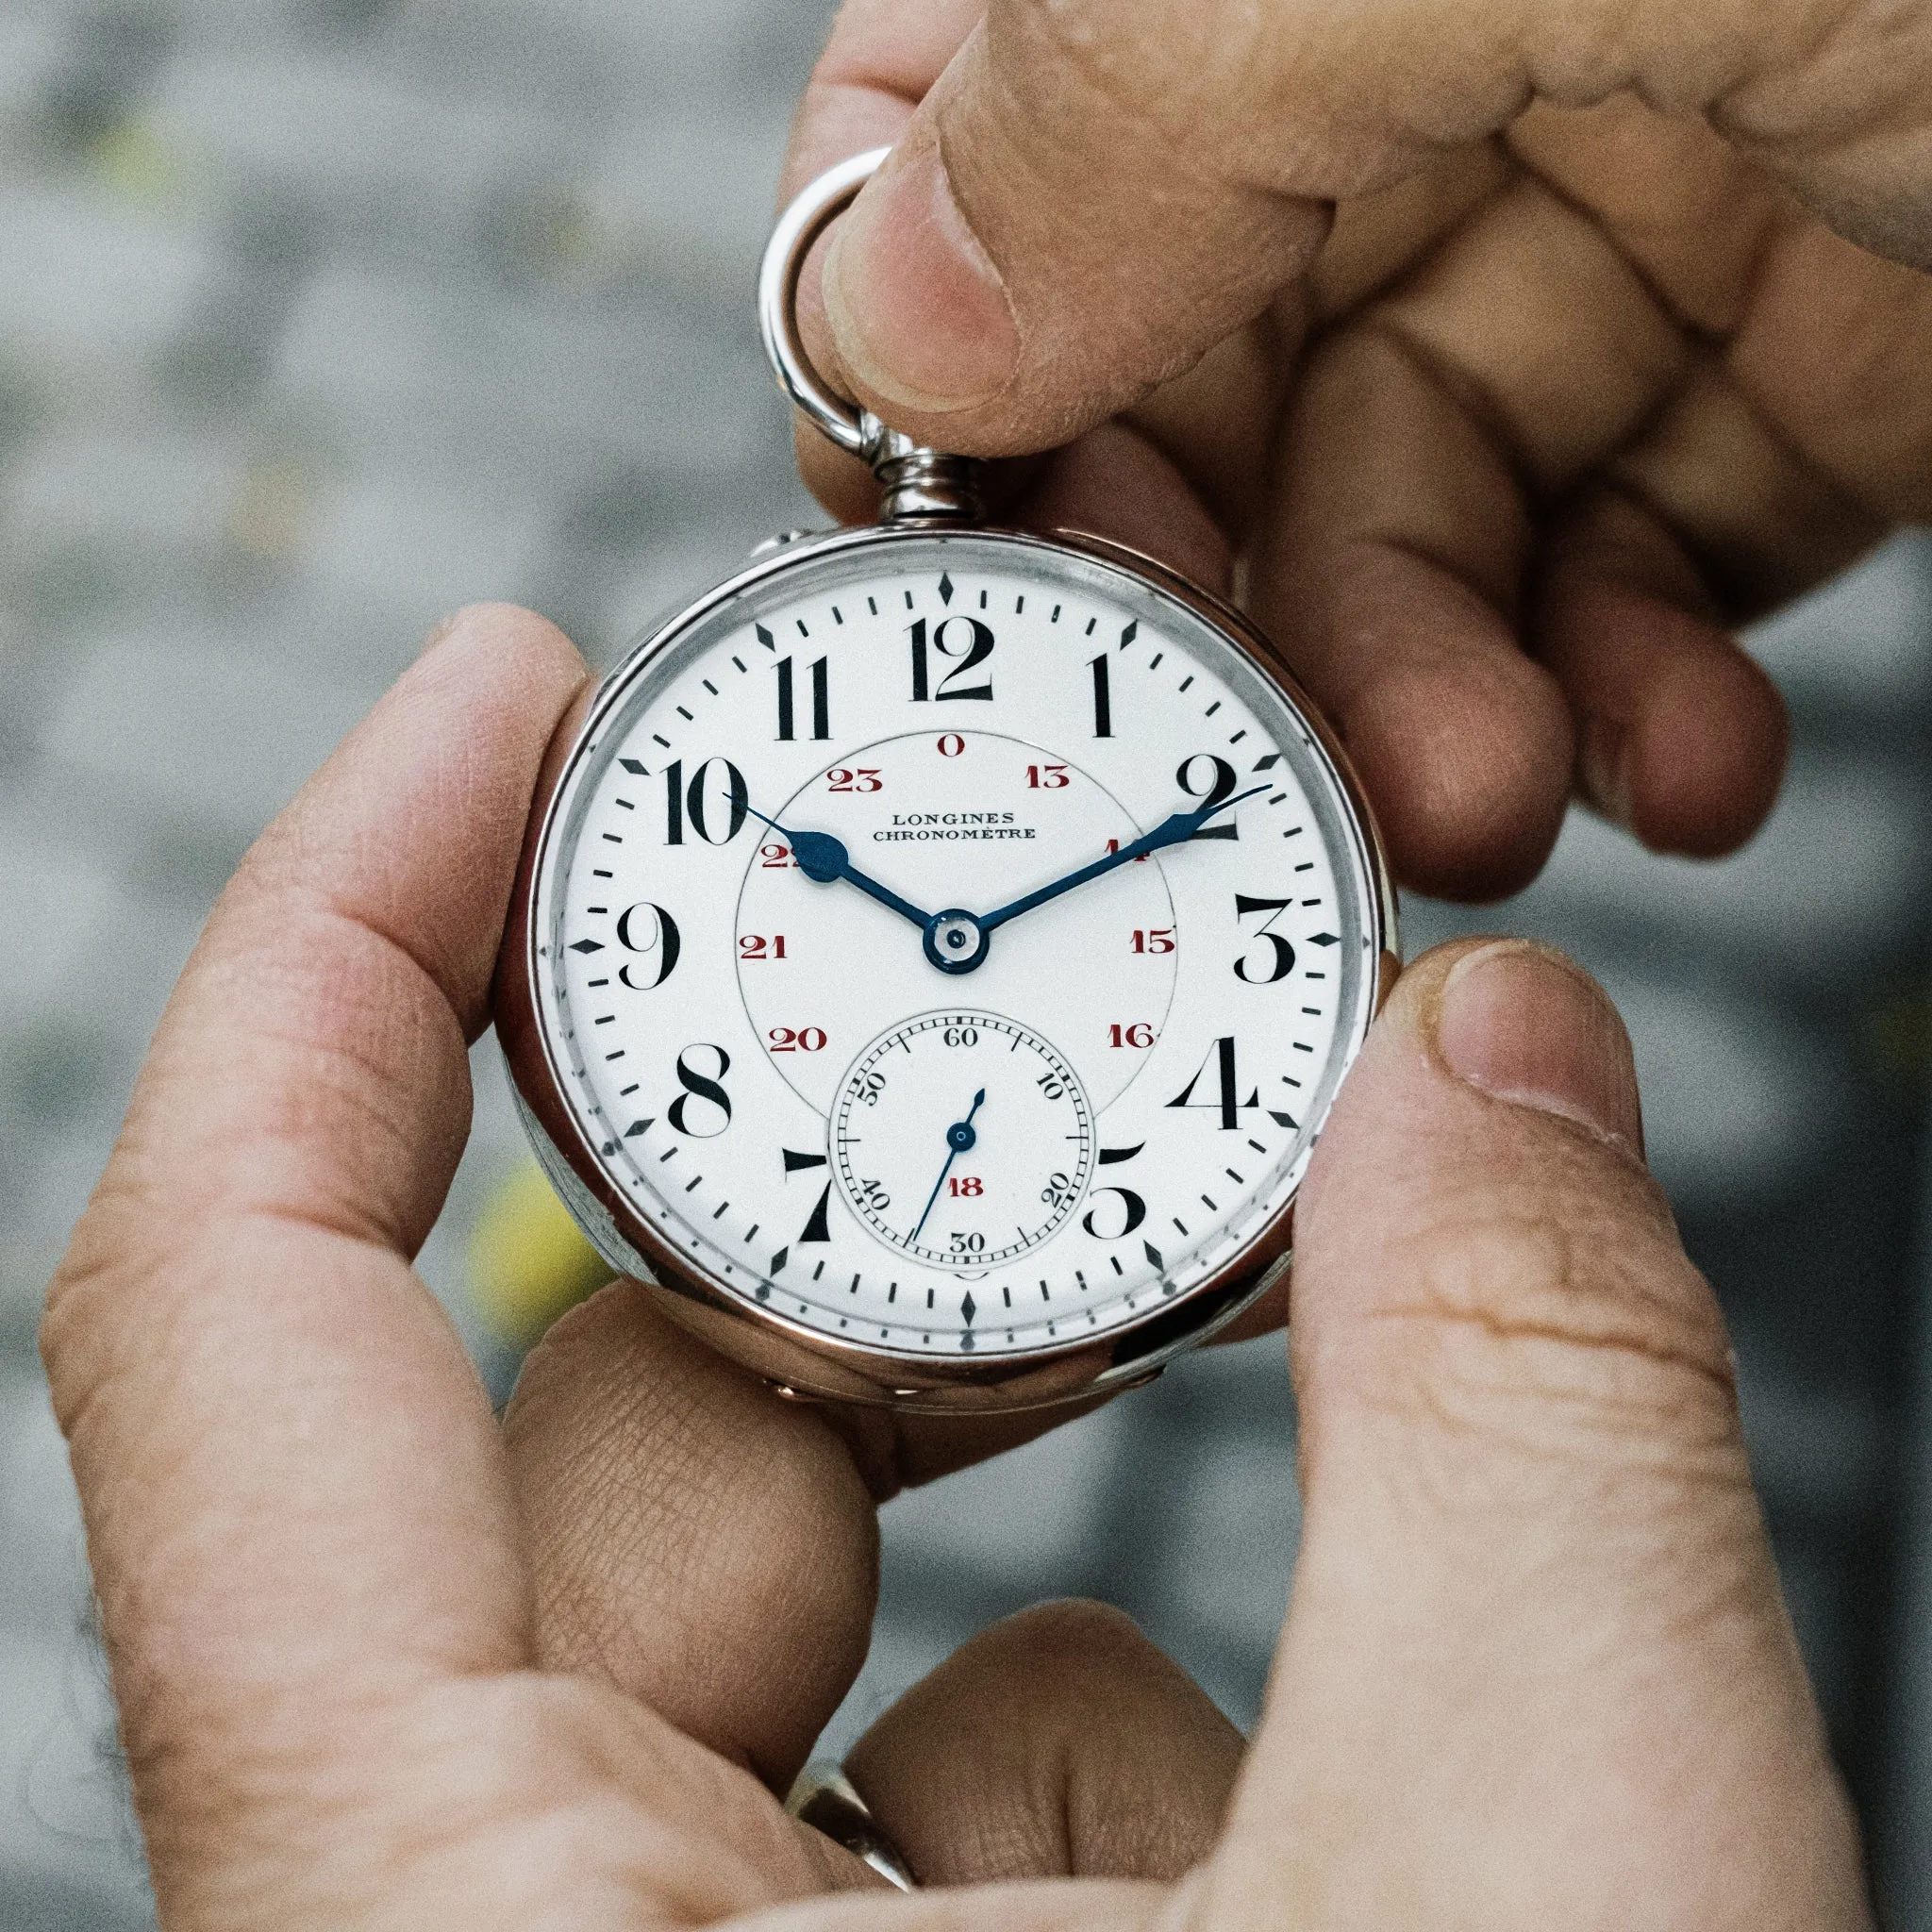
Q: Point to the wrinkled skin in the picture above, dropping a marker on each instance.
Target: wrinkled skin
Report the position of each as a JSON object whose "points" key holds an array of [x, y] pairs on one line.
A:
{"points": [[382, 1662], [1506, 354]]}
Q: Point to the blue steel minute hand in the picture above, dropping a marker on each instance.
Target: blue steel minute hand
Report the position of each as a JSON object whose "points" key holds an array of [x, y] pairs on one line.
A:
{"points": [[1176, 830], [824, 858]]}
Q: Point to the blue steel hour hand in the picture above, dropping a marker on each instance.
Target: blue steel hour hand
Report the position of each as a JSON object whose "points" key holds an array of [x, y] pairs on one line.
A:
{"points": [[1174, 830], [822, 859]]}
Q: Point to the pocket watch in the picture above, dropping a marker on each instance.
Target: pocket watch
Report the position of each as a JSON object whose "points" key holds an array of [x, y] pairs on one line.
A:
{"points": [[937, 948]]}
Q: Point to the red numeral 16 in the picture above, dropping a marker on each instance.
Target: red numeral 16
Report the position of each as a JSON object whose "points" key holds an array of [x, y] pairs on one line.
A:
{"points": [[1138, 1034]]}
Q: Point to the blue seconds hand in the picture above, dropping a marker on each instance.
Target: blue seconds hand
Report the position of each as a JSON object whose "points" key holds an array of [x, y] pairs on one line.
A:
{"points": [[822, 859], [960, 1139]]}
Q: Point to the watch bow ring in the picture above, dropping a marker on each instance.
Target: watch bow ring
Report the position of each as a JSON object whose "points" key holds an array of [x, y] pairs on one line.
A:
{"points": [[937, 947]]}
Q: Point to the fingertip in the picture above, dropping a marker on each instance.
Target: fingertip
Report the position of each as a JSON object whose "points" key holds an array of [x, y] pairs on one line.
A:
{"points": [[915, 304], [1467, 760], [1706, 757]]}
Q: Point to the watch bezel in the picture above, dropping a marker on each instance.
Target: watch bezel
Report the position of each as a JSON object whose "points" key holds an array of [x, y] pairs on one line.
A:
{"points": [[798, 1358]]}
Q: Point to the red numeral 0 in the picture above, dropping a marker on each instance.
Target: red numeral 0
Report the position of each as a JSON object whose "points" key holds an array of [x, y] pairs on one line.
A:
{"points": [[951, 745]]}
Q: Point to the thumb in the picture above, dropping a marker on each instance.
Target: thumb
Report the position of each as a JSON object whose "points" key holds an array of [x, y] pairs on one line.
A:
{"points": [[1537, 1669], [1096, 191]]}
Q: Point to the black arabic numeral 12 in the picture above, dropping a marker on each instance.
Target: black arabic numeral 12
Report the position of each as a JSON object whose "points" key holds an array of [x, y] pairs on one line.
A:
{"points": [[648, 928], [1219, 1057], [682, 801], [972, 649], [1283, 961], [705, 1090], [820, 700], [1221, 787]]}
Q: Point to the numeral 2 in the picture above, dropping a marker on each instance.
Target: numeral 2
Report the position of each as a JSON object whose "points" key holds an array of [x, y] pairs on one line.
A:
{"points": [[1220, 786]]}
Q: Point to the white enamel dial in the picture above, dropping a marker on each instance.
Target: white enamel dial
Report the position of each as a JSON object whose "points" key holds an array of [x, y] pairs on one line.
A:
{"points": [[806, 1024]]}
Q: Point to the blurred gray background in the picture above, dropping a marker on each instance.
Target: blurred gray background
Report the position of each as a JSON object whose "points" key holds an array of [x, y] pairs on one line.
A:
{"points": [[316, 320]]}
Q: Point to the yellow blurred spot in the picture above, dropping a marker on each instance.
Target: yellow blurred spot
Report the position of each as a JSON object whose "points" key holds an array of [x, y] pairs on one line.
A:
{"points": [[1898, 1036], [271, 509], [132, 159], [529, 1261]]}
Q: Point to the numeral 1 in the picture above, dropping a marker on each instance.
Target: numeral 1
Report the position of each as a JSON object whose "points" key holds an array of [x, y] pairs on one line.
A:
{"points": [[1103, 700], [820, 700]]}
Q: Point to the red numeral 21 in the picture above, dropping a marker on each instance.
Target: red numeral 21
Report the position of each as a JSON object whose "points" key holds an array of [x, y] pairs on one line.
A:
{"points": [[805, 1040], [1138, 1034], [750, 946], [861, 778]]}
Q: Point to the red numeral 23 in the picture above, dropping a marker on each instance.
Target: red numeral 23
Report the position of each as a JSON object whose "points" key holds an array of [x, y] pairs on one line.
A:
{"points": [[862, 778]]}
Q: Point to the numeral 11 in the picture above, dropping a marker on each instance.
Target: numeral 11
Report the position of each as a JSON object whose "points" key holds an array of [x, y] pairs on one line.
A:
{"points": [[821, 701]]}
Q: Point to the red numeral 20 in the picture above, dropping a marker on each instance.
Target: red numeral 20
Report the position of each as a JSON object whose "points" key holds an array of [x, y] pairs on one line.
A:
{"points": [[806, 1040], [964, 1184], [1156, 938], [1138, 1034], [861, 778], [750, 946], [1047, 777]]}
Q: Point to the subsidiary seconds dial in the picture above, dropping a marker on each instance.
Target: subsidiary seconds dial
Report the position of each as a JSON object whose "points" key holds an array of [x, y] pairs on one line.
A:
{"points": [[962, 1139]]}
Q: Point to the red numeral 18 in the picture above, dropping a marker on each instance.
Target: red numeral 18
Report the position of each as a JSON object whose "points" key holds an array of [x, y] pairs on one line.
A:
{"points": [[964, 1184]]}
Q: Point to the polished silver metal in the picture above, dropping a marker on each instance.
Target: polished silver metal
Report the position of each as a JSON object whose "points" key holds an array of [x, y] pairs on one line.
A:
{"points": [[920, 485], [824, 1798]]}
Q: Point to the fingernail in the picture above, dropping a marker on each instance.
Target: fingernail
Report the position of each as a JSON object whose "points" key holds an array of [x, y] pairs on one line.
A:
{"points": [[917, 310], [1525, 1025]]}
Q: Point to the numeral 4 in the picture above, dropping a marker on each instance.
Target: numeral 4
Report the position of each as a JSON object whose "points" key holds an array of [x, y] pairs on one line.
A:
{"points": [[1218, 1069]]}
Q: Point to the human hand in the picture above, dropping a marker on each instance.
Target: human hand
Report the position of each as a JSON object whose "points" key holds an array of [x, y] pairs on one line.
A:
{"points": [[382, 1663], [1591, 368]]}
